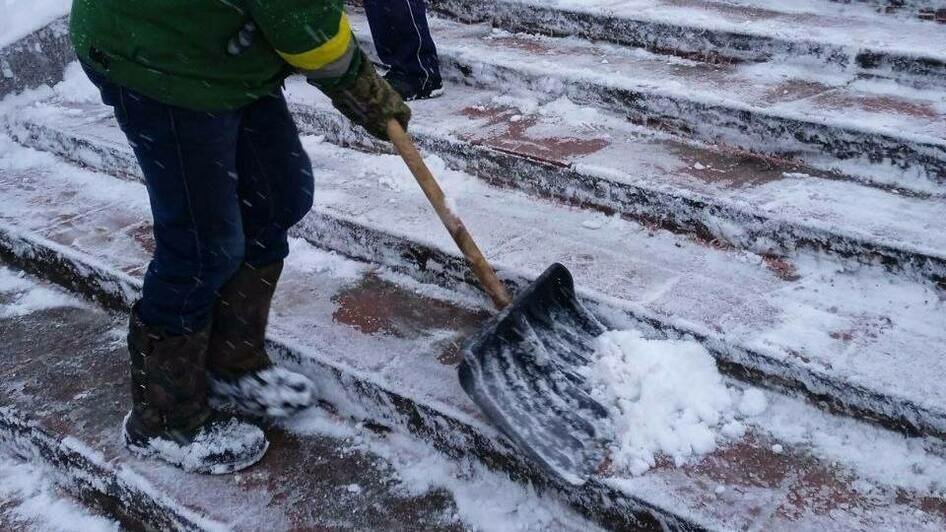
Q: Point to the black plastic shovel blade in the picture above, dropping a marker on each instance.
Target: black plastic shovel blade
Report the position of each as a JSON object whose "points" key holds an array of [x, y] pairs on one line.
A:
{"points": [[521, 370]]}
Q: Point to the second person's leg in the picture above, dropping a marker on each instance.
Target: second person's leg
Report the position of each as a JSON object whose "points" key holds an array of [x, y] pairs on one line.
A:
{"points": [[402, 38]]}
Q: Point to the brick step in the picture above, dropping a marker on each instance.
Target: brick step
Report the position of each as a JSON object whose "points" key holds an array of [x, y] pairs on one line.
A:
{"points": [[64, 394], [377, 351], [853, 39], [850, 341], [862, 128], [769, 207], [116, 492], [870, 131], [358, 331], [847, 342]]}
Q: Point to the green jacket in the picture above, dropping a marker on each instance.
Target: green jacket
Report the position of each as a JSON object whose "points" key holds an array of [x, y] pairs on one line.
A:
{"points": [[214, 54]]}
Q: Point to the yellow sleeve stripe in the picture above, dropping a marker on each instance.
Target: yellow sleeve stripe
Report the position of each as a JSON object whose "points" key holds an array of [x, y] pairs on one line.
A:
{"points": [[330, 51]]}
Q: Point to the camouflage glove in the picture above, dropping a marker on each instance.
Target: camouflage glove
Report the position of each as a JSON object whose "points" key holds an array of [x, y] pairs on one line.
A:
{"points": [[370, 102]]}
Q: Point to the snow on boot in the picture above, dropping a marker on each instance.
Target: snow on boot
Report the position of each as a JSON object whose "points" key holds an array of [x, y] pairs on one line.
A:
{"points": [[221, 445], [241, 373], [170, 417], [271, 392]]}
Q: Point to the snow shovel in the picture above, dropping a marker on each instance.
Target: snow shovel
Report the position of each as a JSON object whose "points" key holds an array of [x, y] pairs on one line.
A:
{"points": [[521, 369]]}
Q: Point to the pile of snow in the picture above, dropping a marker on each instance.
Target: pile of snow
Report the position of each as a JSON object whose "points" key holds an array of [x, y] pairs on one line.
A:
{"points": [[31, 501], [20, 295], [76, 87], [667, 399], [21, 17]]}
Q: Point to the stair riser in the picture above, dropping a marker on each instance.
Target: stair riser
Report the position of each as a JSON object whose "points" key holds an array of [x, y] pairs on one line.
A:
{"points": [[92, 481], [429, 264], [900, 6], [693, 41], [749, 130], [83, 152], [38, 58], [745, 129], [681, 213], [348, 392]]}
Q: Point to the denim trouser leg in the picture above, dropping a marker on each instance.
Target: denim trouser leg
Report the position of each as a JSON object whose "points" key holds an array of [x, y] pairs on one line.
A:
{"points": [[402, 38], [224, 187], [275, 179]]}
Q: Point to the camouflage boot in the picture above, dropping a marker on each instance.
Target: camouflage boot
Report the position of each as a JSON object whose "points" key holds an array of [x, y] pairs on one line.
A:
{"points": [[170, 418], [241, 372]]}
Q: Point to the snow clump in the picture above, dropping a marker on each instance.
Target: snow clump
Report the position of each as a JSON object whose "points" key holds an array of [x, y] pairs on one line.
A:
{"points": [[76, 86], [666, 398]]}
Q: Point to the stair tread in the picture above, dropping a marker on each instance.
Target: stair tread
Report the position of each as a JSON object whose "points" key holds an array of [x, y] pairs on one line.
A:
{"points": [[67, 367], [603, 146], [808, 480], [703, 289], [796, 92], [854, 25], [866, 328]]}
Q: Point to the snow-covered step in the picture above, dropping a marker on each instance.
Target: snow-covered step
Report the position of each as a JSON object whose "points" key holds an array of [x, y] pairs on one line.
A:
{"points": [[586, 157], [65, 370], [32, 499], [831, 121], [863, 341], [876, 131], [851, 38], [378, 351], [72, 466], [858, 341], [783, 465]]}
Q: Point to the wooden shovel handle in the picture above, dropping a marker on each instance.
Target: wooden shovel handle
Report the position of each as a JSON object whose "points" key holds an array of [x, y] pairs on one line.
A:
{"points": [[478, 263]]}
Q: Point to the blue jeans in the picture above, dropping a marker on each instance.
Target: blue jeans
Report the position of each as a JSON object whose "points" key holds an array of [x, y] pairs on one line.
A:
{"points": [[225, 187], [402, 38]]}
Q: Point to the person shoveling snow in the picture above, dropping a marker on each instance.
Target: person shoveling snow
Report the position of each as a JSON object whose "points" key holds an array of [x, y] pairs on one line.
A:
{"points": [[195, 87]]}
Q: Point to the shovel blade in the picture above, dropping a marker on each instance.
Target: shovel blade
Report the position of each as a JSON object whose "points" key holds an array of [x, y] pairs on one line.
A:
{"points": [[522, 371]]}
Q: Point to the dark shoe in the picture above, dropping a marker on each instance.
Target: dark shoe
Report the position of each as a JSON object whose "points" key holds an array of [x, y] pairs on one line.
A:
{"points": [[240, 371], [171, 418], [221, 445], [411, 91], [272, 392]]}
